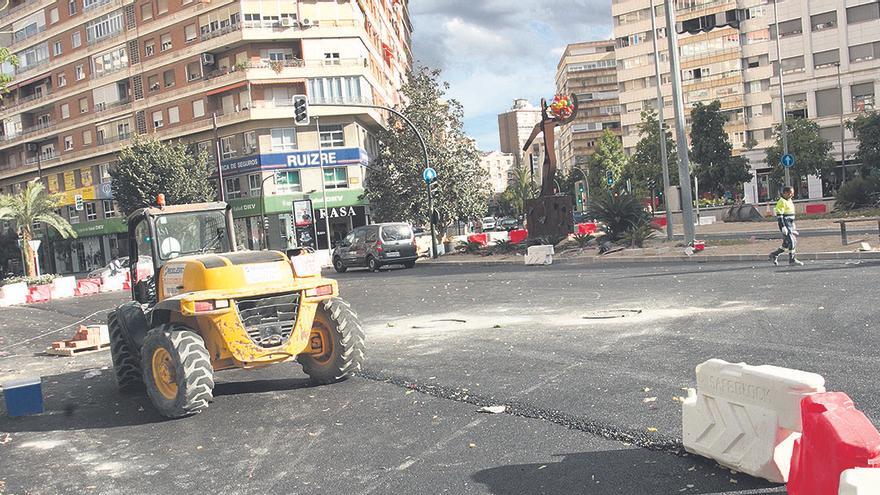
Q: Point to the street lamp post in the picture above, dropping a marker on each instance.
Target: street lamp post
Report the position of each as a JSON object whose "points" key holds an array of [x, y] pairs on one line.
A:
{"points": [[218, 160], [842, 137], [781, 92], [323, 184], [663, 153]]}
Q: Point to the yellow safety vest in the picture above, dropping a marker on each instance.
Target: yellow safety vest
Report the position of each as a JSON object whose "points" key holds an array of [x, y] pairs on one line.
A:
{"points": [[784, 207]]}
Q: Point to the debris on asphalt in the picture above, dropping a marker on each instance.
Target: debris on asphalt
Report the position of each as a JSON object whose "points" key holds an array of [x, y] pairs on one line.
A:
{"points": [[6, 438], [91, 374], [652, 430], [649, 399], [492, 409], [542, 466], [646, 389], [471, 445]]}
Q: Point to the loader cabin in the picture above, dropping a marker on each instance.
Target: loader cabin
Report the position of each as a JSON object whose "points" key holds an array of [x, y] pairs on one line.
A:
{"points": [[167, 232]]}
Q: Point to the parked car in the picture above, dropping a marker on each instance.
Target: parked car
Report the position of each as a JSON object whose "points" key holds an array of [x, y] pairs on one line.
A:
{"points": [[120, 265], [488, 224], [508, 224], [375, 246]]}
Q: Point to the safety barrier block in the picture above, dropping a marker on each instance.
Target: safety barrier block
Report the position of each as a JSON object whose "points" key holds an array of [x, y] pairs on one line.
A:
{"points": [[482, 239], [539, 255], [126, 285], [586, 228], [88, 286], [860, 481], [12, 294], [518, 236], [746, 417], [836, 437], [112, 283], [63, 287], [816, 209], [659, 222], [39, 293]]}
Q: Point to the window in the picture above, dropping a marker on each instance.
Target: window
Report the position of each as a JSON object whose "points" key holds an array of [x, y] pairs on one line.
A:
{"points": [[199, 108], [109, 208], [227, 146], [157, 119], [173, 115], [288, 182], [190, 31], [62, 80], [863, 13], [76, 39], [56, 48], [233, 188], [65, 111], [166, 42], [336, 89], [72, 215], [163, 6], [793, 64], [828, 58], [863, 97], [793, 27], [53, 15], [250, 141], [868, 51], [332, 136], [194, 71], [828, 102], [104, 170], [283, 139], [87, 137], [331, 58], [104, 26], [821, 22], [68, 143], [147, 11], [153, 82], [110, 61], [168, 78], [149, 48], [91, 211], [71, 7], [255, 182], [336, 177], [830, 133], [80, 72], [796, 106]]}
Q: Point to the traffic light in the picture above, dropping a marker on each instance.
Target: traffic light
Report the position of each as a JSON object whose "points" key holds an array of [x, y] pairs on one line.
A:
{"points": [[266, 224], [300, 110], [78, 201], [609, 177], [580, 193]]}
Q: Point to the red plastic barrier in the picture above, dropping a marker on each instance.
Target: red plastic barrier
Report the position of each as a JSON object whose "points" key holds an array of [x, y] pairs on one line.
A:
{"points": [[816, 209], [483, 239], [518, 236], [586, 228], [39, 293], [126, 284], [659, 222], [88, 286], [836, 437]]}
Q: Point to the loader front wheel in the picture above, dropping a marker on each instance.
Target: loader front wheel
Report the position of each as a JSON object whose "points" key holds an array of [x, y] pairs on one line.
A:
{"points": [[177, 371], [336, 344]]}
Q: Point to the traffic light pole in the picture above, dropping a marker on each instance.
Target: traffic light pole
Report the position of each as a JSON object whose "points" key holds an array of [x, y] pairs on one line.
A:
{"points": [[424, 154], [664, 159], [265, 240]]}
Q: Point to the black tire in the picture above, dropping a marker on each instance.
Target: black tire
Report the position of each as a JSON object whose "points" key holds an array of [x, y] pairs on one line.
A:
{"points": [[190, 370], [339, 265], [126, 364], [373, 264], [345, 356], [409, 264]]}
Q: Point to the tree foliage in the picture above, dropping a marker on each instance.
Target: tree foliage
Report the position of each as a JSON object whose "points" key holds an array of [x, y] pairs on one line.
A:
{"points": [[33, 204], [646, 162], [810, 150], [716, 167], [394, 185], [608, 156], [7, 59], [618, 212], [866, 128], [148, 167], [520, 189]]}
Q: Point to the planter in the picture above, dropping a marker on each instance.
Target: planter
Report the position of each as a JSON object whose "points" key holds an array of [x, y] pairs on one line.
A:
{"points": [[13, 294], [63, 287]]}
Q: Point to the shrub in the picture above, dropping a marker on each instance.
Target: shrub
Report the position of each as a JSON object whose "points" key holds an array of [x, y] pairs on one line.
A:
{"points": [[503, 246], [618, 212], [583, 240], [41, 280], [858, 193], [470, 247], [638, 234]]}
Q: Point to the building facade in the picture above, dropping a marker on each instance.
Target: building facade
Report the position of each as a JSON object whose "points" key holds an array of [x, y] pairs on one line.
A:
{"points": [[498, 167], [588, 70], [95, 73]]}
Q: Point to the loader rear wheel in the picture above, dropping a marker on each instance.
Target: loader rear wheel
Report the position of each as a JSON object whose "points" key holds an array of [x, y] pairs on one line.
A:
{"points": [[177, 371], [126, 363], [336, 344]]}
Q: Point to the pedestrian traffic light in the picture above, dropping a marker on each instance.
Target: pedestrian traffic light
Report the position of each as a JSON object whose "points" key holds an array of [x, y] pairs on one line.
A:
{"points": [[609, 177], [300, 110], [78, 202]]}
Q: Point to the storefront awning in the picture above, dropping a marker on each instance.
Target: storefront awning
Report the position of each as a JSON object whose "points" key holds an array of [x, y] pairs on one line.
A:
{"points": [[287, 80], [226, 88]]}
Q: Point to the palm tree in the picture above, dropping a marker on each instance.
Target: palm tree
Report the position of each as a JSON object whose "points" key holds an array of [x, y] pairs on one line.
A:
{"points": [[33, 205], [521, 189]]}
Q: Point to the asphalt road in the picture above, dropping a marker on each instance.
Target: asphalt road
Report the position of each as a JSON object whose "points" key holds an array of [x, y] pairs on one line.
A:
{"points": [[443, 341]]}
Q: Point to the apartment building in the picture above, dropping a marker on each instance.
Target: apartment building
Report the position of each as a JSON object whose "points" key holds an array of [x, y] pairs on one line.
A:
{"points": [[588, 70], [498, 167], [94, 73]]}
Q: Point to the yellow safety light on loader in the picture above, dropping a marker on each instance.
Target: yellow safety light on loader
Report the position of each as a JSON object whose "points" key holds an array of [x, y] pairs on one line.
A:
{"points": [[204, 308]]}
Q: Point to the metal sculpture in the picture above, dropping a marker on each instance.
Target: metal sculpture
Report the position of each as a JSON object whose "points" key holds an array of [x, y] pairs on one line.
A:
{"points": [[560, 112]]}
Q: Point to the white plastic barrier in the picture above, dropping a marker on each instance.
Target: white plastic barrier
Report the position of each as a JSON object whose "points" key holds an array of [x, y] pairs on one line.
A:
{"points": [[860, 481], [539, 255], [13, 294], [497, 236], [113, 283], [63, 287], [747, 417]]}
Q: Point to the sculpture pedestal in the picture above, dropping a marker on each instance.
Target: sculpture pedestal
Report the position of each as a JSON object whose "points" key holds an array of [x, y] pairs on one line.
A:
{"points": [[550, 216]]}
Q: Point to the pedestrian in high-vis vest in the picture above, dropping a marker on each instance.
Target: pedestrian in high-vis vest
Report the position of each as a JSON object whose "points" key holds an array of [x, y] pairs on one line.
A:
{"points": [[784, 211]]}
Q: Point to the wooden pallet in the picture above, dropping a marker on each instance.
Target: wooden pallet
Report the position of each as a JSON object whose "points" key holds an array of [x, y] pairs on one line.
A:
{"points": [[76, 351]]}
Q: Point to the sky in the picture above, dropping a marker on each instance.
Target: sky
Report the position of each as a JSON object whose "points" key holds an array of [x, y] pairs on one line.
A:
{"points": [[494, 51]]}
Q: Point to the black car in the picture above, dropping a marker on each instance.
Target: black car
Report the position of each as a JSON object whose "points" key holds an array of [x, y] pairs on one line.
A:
{"points": [[375, 246], [508, 224]]}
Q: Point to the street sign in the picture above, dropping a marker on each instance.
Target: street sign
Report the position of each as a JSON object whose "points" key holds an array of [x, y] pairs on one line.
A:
{"points": [[429, 175], [35, 244], [787, 160]]}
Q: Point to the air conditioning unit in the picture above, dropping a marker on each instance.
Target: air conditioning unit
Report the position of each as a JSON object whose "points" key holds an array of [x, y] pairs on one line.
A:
{"points": [[306, 23], [288, 21], [207, 59]]}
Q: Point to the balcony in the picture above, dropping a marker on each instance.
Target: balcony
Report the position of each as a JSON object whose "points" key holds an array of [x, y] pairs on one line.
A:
{"points": [[220, 32], [24, 69], [26, 36], [103, 107], [113, 139], [41, 159]]}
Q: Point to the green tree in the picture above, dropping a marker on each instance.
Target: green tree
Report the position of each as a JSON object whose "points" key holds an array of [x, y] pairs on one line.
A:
{"points": [[810, 150], [148, 167], [716, 167], [866, 128], [608, 156], [7, 60], [33, 204], [394, 185], [520, 189], [646, 162]]}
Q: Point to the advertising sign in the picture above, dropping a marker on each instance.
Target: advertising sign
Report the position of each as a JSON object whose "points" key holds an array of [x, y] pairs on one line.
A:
{"points": [[304, 223]]}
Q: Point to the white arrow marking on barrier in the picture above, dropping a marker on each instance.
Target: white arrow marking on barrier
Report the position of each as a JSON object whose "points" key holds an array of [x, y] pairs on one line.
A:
{"points": [[730, 424]]}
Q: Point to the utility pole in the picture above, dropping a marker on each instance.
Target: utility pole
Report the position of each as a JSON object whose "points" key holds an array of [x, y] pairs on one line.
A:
{"points": [[842, 137], [663, 158], [781, 92], [684, 174], [218, 160], [323, 183]]}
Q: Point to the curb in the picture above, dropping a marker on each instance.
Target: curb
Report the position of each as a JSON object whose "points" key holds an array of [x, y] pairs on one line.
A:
{"points": [[721, 258]]}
